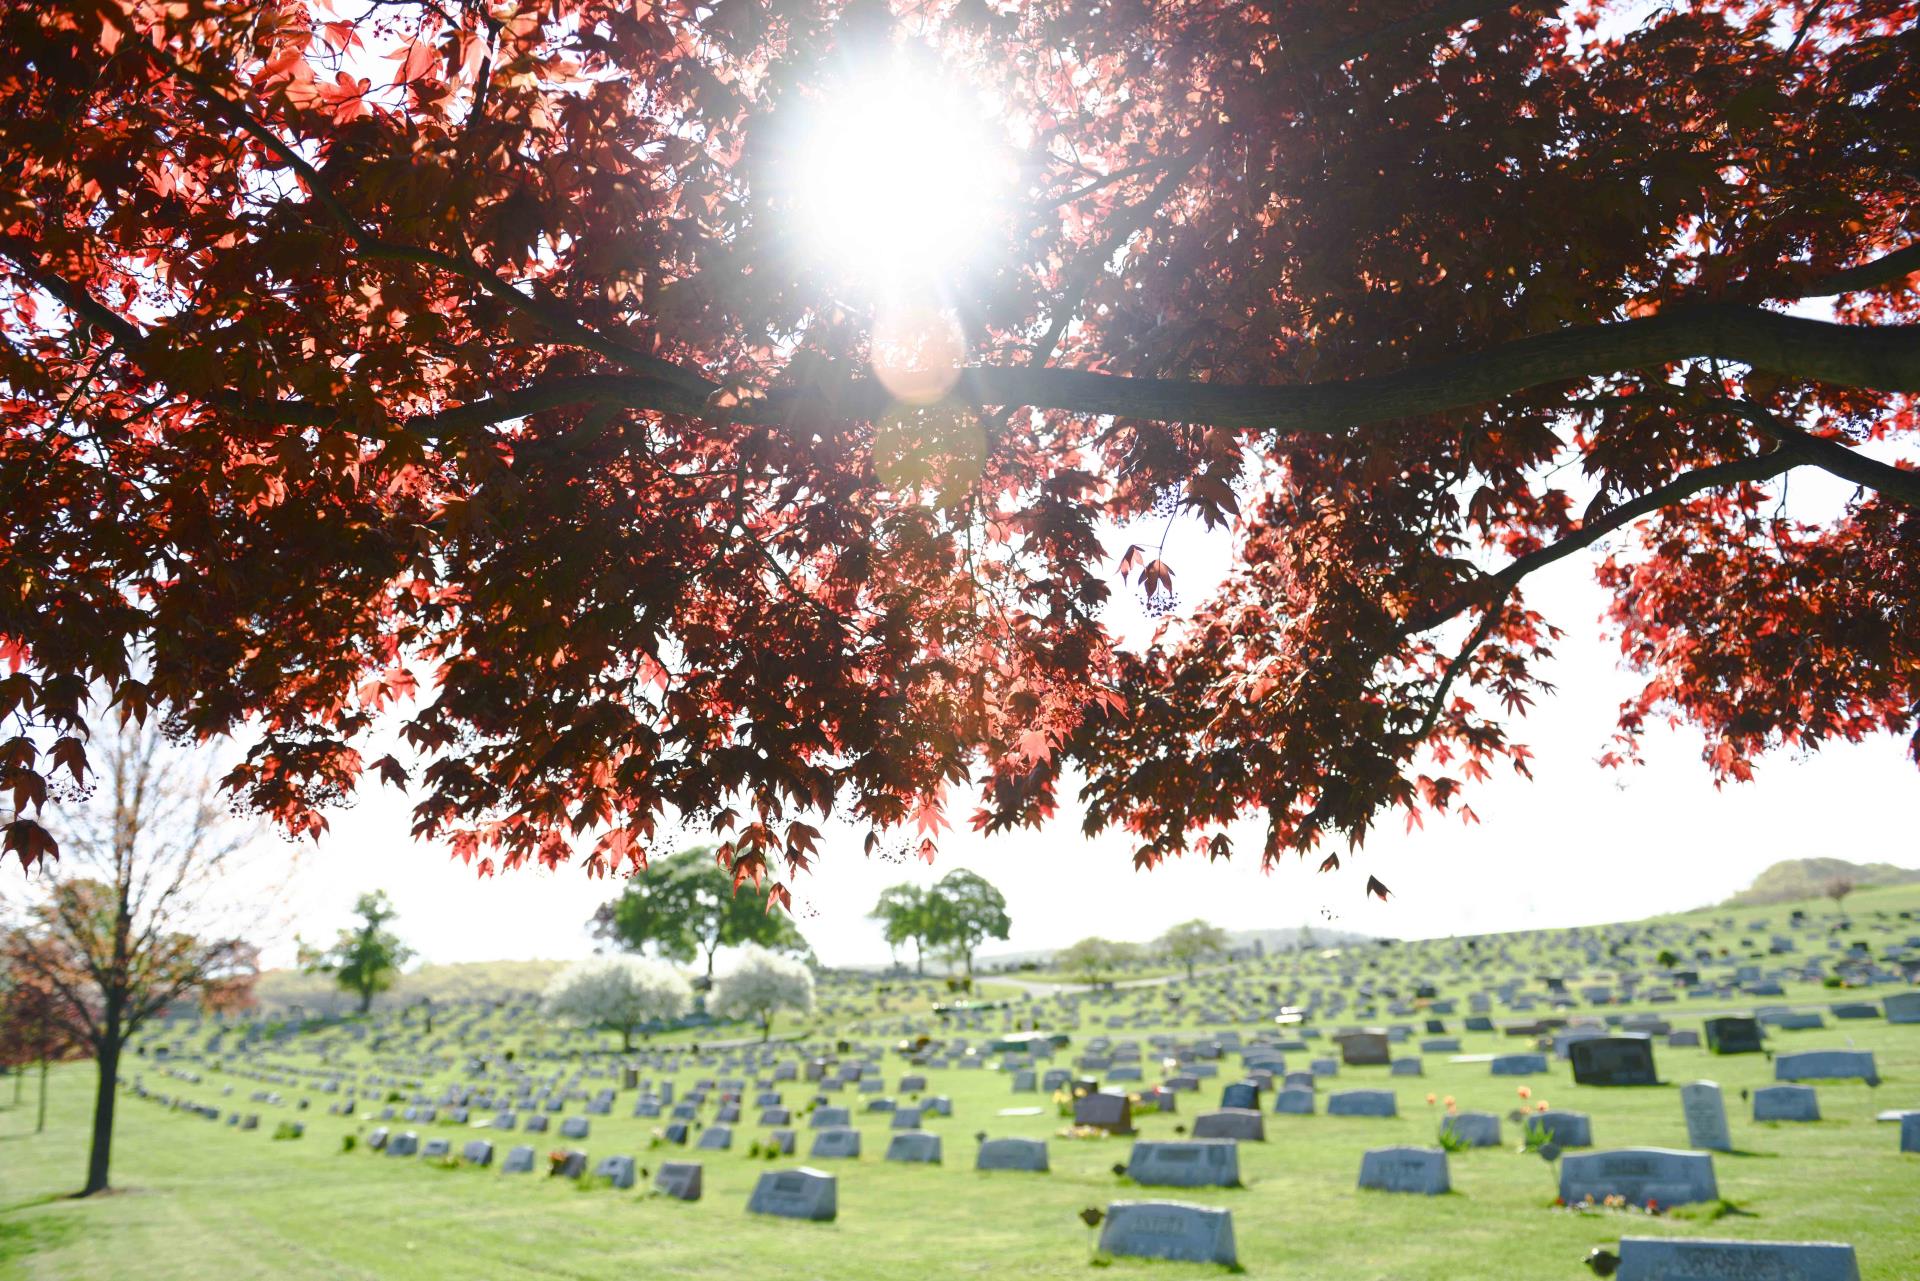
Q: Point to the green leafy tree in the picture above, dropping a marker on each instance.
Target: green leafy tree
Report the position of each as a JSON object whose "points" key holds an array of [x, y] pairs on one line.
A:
{"points": [[686, 906], [1191, 942], [367, 959], [966, 911], [1096, 959], [907, 913]]}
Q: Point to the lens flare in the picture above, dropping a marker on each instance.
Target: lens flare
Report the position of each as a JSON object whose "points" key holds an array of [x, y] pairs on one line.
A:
{"points": [[895, 177]]}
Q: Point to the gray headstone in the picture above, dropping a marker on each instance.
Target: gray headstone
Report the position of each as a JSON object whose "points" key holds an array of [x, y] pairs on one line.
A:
{"points": [[1706, 1114], [796, 1194], [1405, 1169], [574, 1127], [842, 1142], [679, 1180], [1363, 1103], [1192, 1164], [1474, 1129], [1294, 1101], [1826, 1065], [1786, 1103], [914, 1147], [1666, 1259], [1662, 1175], [716, 1138], [1012, 1154], [1169, 1230], [618, 1168], [1903, 1007], [1568, 1129], [518, 1161], [1243, 1124]]}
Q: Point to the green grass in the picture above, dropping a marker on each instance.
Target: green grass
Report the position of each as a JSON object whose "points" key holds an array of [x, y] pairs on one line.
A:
{"points": [[198, 1201]]}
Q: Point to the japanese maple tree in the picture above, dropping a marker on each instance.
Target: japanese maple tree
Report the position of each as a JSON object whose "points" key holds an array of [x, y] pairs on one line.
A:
{"points": [[471, 365]]}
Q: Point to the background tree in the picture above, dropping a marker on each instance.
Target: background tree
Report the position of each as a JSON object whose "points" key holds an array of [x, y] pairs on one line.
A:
{"points": [[149, 908], [1096, 960], [367, 959], [1190, 942], [687, 906], [1837, 889], [907, 914], [625, 993], [965, 911], [760, 985], [31, 1032], [1418, 298]]}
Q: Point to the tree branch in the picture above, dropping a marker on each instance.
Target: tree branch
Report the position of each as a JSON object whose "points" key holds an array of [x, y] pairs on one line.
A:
{"points": [[1494, 587], [1830, 455], [1882, 357]]}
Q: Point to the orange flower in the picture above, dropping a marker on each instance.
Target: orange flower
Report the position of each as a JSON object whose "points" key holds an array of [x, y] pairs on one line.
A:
{"points": [[1526, 1092], [1430, 1099], [1449, 1100], [1541, 1106]]}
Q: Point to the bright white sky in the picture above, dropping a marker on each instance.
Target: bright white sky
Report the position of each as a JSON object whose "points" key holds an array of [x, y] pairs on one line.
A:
{"points": [[1578, 845]]}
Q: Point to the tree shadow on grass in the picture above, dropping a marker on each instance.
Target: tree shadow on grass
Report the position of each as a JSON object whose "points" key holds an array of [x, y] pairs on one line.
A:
{"points": [[23, 1237]]}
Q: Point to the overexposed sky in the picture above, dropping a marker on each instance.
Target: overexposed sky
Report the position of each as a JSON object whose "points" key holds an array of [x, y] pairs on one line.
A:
{"points": [[1577, 845]]}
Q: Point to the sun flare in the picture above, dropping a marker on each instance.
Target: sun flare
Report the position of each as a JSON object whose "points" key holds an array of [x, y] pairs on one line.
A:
{"points": [[896, 178]]}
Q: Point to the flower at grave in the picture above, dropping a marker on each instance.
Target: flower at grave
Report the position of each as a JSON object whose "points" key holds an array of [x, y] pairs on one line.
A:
{"points": [[1431, 1098], [1526, 1092], [1092, 1215], [1449, 1103], [1653, 1206]]}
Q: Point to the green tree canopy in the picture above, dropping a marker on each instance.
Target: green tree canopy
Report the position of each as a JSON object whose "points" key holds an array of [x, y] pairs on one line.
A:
{"points": [[1193, 941], [1095, 959], [907, 914], [686, 906], [966, 911], [367, 959]]}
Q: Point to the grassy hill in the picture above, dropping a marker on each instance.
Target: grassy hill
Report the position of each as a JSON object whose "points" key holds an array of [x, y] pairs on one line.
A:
{"points": [[1808, 878], [317, 993], [202, 1200]]}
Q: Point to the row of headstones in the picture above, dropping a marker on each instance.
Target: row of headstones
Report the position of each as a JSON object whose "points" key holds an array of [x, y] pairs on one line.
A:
{"points": [[1185, 1232]]}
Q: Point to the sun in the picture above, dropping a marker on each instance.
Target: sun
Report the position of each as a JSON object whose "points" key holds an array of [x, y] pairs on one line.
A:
{"points": [[896, 176]]}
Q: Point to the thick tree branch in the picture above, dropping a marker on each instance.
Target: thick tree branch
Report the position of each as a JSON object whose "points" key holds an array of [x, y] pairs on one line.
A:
{"points": [[1884, 358], [1887, 269]]}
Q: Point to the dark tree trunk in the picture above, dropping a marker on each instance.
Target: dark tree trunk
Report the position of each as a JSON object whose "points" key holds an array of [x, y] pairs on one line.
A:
{"points": [[920, 958], [40, 1126], [103, 1100], [366, 999]]}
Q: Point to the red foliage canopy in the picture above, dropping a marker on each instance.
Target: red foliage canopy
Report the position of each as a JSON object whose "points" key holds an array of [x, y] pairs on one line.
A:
{"points": [[460, 357]]}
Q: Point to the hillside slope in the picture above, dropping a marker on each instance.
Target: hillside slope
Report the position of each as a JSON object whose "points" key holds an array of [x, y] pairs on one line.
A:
{"points": [[1798, 878]]}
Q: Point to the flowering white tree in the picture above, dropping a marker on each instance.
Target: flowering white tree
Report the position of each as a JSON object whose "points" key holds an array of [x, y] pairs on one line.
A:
{"points": [[760, 985], [621, 992]]}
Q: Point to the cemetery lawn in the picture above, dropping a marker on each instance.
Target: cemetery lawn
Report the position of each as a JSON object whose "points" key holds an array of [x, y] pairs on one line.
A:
{"points": [[199, 1201]]}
